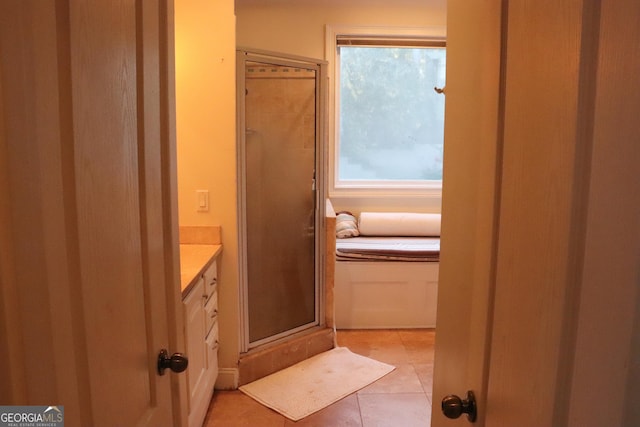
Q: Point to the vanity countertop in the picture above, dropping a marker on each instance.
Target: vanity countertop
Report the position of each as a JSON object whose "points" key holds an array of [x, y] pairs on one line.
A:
{"points": [[194, 259]]}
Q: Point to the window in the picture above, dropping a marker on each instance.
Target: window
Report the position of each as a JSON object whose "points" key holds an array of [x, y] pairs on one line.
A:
{"points": [[389, 124]]}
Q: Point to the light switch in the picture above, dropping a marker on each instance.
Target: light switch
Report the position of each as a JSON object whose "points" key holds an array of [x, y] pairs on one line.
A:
{"points": [[203, 200]]}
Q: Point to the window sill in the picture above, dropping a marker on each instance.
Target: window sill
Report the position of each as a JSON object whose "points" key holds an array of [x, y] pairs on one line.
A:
{"points": [[391, 200]]}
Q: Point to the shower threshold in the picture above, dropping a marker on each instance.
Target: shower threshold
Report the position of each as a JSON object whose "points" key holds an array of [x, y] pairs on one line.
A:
{"points": [[275, 356]]}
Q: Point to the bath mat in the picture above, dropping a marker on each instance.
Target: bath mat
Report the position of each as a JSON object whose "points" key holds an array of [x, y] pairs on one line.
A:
{"points": [[315, 383]]}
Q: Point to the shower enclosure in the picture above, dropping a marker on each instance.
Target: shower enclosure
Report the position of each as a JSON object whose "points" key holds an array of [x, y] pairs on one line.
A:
{"points": [[280, 106]]}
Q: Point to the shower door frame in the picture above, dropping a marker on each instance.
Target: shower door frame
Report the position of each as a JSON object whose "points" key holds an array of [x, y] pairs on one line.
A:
{"points": [[244, 55]]}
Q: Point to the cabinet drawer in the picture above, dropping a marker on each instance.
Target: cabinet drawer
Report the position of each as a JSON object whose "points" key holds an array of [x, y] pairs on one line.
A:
{"points": [[210, 276], [211, 311], [211, 347], [213, 336]]}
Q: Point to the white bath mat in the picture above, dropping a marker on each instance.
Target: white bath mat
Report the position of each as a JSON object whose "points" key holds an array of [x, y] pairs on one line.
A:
{"points": [[315, 383]]}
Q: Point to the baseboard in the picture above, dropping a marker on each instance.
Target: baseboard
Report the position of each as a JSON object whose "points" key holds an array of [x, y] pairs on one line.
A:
{"points": [[227, 379]]}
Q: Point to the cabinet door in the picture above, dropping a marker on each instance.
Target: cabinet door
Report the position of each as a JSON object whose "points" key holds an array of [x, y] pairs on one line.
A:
{"points": [[212, 352], [194, 335]]}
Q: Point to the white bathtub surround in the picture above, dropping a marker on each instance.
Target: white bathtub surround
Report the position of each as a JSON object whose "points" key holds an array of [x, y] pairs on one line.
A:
{"points": [[385, 295]]}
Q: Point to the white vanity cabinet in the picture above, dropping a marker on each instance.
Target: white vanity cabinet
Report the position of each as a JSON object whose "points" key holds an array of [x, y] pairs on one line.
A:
{"points": [[201, 335]]}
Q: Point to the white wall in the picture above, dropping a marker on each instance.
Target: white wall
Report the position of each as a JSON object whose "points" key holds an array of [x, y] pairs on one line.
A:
{"points": [[297, 27]]}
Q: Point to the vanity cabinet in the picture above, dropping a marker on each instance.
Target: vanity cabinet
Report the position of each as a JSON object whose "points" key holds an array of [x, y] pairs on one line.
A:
{"points": [[201, 334]]}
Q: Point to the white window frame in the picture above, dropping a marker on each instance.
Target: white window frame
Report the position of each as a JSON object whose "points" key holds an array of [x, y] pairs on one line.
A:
{"points": [[370, 189]]}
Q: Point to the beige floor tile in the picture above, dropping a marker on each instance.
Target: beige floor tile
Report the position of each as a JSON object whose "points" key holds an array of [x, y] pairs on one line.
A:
{"points": [[417, 335], [420, 352], [403, 379], [425, 374], [368, 336], [419, 343], [394, 410], [343, 413], [391, 346], [236, 409], [394, 354]]}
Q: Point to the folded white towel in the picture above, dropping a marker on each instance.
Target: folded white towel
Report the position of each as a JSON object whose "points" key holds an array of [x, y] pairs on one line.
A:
{"points": [[399, 224]]}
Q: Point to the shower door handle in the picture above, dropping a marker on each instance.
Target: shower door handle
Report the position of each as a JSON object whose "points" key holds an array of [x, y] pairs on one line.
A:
{"points": [[313, 194]]}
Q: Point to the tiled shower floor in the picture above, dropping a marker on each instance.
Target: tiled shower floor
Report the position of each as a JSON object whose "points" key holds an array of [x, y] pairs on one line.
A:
{"points": [[402, 398]]}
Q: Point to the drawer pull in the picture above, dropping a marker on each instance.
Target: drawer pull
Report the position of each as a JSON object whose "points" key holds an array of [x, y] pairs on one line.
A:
{"points": [[211, 309], [212, 340]]}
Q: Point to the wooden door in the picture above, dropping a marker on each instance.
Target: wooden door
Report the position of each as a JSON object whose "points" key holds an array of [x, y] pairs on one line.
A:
{"points": [[89, 217], [547, 321], [469, 202]]}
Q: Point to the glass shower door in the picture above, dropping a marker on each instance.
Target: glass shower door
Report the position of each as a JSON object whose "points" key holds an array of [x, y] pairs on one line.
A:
{"points": [[279, 201]]}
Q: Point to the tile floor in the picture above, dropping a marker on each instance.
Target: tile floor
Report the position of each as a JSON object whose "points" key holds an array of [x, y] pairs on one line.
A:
{"points": [[402, 398]]}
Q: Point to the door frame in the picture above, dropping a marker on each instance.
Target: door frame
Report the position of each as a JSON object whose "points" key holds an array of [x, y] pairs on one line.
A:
{"points": [[244, 55]]}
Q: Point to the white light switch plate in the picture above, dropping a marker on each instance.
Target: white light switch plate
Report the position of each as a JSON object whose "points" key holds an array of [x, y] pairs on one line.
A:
{"points": [[202, 200]]}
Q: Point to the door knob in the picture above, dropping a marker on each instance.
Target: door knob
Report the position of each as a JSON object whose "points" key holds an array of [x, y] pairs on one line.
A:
{"points": [[453, 406], [177, 362]]}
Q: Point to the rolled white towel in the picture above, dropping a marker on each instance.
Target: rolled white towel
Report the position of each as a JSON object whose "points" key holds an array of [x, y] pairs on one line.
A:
{"points": [[399, 224], [346, 225]]}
